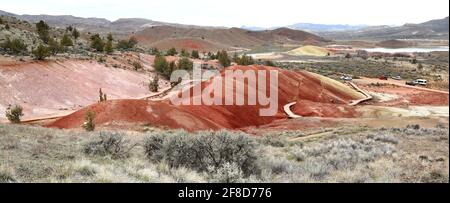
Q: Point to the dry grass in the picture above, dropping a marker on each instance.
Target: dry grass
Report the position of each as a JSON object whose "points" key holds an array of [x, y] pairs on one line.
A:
{"points": [[347, 154]]}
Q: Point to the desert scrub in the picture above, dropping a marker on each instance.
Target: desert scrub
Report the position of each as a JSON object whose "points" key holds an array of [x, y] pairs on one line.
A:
{"points": [[203, 150], [108, 143], [6, 175], [227, 173], [416, 130], [14, 113], [137, 66], [273, 140], [317, 162]]}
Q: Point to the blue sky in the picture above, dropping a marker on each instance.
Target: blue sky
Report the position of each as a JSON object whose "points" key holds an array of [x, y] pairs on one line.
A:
{"points": [[262, 13]]}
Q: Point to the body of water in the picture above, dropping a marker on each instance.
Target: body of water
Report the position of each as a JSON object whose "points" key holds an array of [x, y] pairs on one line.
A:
{"points": [[407, 50]]}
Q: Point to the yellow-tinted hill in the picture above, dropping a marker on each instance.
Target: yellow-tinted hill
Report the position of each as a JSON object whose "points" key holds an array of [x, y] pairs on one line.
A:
{"points": [[309, 51]]}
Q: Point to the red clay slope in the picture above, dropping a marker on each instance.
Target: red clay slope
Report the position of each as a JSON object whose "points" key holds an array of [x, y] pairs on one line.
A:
{"points": [[48, 87], [316, 96]]}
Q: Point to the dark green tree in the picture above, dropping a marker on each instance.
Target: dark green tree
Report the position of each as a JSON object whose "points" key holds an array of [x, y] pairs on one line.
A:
{"points": [[13, 114], [109, 47], [97, 43], [75, 33], [269, 63], [43, 31], [195, 54], [185, 64], [54, 47], [89, 124], [223, 58], [154, 51], [109, 44], [184, 53], [348, 56], [110, 37], [127, 44], [244, 60], [162, 67], [172, 52], [154, 84], [66, 41], [15, 46]]}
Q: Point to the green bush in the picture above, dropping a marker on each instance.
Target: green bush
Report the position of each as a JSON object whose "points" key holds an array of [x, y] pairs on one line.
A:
{"points": [[127, 44], [244, 60], [172, 52], [227, 173], [66, 41], [184, 53], [109, 47], [203, 151], [348, 56], [97, 43], [15, 46], [54, 47], [153, 85], [102, 96], [41, 52], [13, 114], [154, 51], [162, 67], [185, 64], [89, 124], [195, 54], [137, 66], [223, 58], [43, 31], [75, 33], [108, 143], [269, 63]]}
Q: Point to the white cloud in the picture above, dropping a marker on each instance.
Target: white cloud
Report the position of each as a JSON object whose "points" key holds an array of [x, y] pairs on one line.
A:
{"points": [[265, 13]]}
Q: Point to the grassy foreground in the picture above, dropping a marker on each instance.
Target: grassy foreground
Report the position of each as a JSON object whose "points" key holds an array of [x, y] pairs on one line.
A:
{"points": [[412, 154]]}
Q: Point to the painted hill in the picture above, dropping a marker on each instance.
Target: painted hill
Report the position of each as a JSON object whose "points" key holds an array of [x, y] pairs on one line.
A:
{"points": [[226, 38], [309, 51], [315, 95]]}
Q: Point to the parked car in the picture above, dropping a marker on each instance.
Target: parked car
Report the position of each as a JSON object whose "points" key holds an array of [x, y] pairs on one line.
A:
{"points": [[397, 77], [421, 82], [383, 77], [346, 78], [411, 83]]}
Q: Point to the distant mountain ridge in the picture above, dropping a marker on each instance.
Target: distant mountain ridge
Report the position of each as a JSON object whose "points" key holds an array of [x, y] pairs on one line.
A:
{"points": [[311, 27], [166, 35], [123, 26], [433, 29]]}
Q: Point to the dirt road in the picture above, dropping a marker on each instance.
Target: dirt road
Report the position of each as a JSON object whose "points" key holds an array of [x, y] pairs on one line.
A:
{"points": [[401, 83]]}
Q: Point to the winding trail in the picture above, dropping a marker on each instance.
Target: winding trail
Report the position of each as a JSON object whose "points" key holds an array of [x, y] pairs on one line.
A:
{"points": [[356, 102], [287, 110], [56, 116]]}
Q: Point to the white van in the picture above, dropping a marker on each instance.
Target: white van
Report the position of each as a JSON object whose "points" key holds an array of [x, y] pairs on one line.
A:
{"points": [[421, 82]]}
